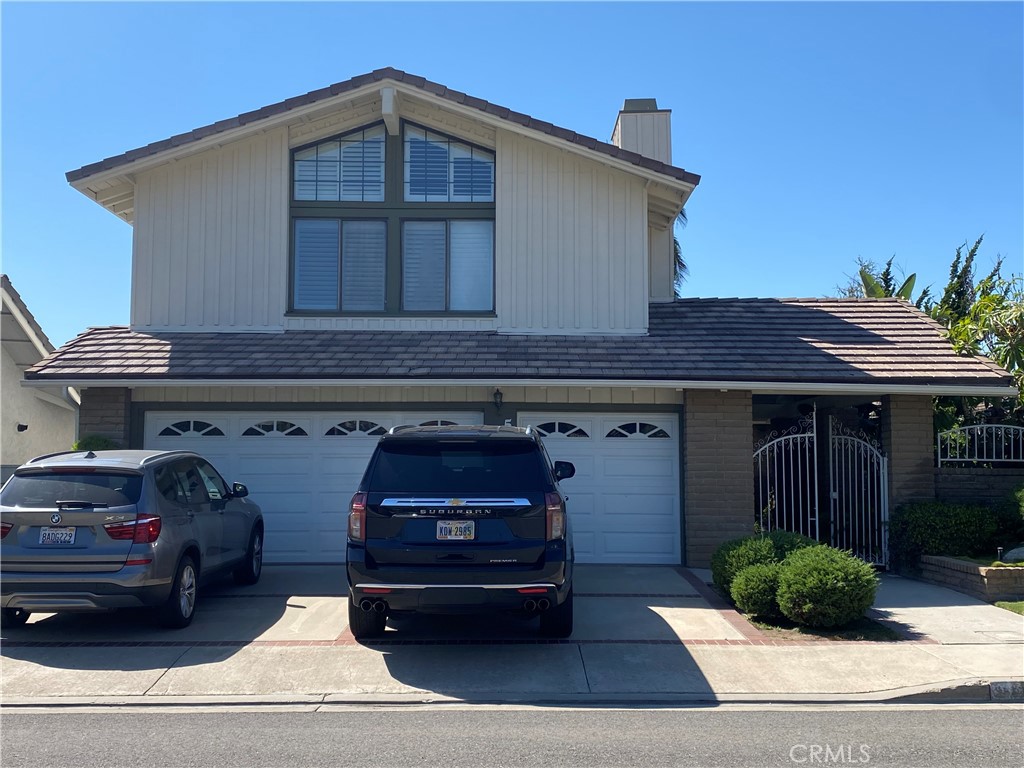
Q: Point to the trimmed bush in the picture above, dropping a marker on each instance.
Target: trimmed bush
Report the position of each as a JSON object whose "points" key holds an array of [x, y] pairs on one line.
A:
{"points": [[937, 528], [733, 556], [754, 588], [825, 587], [786, 542], [1009, 522], [95, 443]]}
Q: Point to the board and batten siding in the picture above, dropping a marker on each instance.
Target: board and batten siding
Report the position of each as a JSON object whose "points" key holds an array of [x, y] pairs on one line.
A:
{"points": [[571, 251], [210, 249]]}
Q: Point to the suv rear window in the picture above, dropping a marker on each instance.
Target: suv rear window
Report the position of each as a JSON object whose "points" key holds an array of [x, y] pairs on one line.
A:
{"points": [[457, 467], [45, 489]]}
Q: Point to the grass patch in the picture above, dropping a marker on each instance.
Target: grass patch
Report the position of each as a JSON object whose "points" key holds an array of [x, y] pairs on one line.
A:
{"points": [[861, 629], [1017, 606], [987, 562]]}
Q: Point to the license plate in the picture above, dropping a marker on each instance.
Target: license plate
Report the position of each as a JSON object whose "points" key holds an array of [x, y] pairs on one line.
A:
{"points": [[463, 530], [49, 535]]}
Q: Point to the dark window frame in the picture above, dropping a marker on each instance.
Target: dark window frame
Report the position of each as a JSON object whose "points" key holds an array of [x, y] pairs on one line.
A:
{"points": [[394, 210]]}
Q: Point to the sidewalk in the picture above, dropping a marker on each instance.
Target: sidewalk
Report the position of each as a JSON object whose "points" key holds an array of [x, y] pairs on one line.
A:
{"points": [[642, 634]]}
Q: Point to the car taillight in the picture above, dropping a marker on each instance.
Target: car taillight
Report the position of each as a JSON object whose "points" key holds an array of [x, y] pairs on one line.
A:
{"points": [[144, 530], [357, 517], [5, 528], [556, 516]]}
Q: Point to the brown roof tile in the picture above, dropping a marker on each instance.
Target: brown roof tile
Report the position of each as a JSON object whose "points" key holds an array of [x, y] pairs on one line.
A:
{"points": [[388, 73], [881, 342]]}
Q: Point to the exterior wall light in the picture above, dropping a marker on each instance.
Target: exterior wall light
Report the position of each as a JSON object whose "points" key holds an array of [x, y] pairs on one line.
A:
{"points": [[498, 398]]}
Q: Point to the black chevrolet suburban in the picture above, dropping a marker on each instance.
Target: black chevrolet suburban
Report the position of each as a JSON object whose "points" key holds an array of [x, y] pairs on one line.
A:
{"points": [[459, 519]]}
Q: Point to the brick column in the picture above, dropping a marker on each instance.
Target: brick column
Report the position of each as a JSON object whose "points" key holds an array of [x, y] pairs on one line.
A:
{"points": [[105, 412], [718, 471], [908, 438]]}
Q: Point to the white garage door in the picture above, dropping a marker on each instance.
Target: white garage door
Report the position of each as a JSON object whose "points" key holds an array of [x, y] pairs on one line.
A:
{"points": [[301, 467], [624, 499]]}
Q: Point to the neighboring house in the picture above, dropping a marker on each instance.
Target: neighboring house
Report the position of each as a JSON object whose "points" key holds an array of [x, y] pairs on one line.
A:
{"points": [[38, 420], [387, 251]]}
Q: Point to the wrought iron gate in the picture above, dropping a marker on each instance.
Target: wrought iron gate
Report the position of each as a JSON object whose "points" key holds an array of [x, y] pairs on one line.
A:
{"points": [[787, 483]]}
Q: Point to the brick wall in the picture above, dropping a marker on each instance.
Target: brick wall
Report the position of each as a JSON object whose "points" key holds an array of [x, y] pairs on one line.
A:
{"points": [[908, 440], [719, 471], [978, 581], [105, 411], [968, 485]]}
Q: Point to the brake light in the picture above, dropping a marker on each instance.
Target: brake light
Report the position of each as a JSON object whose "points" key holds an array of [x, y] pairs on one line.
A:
{"points": [[144, 530], [555, 515], [357, 517], [5, 528]]}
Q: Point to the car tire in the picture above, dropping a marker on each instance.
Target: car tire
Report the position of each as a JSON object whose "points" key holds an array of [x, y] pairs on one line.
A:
{"points": [[249, 570], [557, 621], [180, 607], [365, 625], [15, 617]]}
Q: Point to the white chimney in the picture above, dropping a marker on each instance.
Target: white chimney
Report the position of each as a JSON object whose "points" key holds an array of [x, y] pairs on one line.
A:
{"points": [[643, 128]]}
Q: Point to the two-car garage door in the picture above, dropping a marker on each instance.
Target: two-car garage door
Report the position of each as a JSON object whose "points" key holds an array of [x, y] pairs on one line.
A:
{"points": [[302, 468]]}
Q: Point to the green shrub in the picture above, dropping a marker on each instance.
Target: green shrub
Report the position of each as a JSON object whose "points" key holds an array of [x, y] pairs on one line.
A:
{"points": [[937, 528], [95, 443], [825, 587], [733, 556], [1009, 522], [754, 589], [786, 542]]}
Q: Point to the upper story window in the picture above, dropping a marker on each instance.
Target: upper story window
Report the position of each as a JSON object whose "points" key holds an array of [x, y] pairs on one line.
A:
{"points": [[350, 168], [392, 224], [440, 169]]}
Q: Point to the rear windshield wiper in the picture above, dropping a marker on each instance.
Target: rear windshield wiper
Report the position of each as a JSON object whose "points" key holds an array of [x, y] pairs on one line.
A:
{"points": [[79, 504]]}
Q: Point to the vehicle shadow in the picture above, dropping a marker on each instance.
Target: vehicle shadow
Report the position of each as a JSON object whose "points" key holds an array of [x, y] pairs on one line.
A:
{"points": [[630, 637], [288, 603]]}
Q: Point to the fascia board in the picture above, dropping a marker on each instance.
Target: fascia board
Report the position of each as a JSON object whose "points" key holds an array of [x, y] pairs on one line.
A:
{"points": [[759, 387], [324, 105]]}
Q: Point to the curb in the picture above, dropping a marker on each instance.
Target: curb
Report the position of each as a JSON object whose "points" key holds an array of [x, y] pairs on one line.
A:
{"points": [[949, 692]]}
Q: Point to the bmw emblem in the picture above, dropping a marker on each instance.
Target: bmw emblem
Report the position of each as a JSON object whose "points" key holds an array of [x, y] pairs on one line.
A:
{"points": [[55, 518]]}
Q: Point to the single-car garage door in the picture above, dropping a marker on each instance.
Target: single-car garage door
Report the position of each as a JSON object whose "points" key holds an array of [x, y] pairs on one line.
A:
{"points": [[301, 467], [624, 499]]}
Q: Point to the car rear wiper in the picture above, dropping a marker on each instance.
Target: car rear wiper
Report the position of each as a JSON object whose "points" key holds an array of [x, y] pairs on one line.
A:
{"points": [[79, 504]]}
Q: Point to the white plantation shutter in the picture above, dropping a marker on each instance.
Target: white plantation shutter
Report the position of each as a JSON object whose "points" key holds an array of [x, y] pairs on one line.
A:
{"points": [[362, 166], [363, 256], [316, 264], [423, 267], [471, 273]]}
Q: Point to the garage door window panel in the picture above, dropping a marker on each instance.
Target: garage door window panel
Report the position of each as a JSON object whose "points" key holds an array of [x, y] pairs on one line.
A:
{"points": [[356, 427], [275, 429], [637, 429]]}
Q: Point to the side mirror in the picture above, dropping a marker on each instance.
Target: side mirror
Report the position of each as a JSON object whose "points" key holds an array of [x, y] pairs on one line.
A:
{"points": [[239, 491], [564, 470]]}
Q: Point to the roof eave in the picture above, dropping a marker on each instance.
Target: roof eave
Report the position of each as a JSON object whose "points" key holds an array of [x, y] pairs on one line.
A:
{"points": [[758, 387]]}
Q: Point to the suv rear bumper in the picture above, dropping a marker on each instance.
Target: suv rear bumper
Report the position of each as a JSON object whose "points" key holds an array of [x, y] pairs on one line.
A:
{"points": [[439, 591], [42, 593]]}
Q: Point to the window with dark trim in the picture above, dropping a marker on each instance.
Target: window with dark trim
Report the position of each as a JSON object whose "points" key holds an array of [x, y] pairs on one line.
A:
{"points": [[392, 224]]}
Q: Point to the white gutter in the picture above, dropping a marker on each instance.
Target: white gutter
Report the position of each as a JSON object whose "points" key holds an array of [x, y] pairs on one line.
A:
{"points": [[762, 387]]}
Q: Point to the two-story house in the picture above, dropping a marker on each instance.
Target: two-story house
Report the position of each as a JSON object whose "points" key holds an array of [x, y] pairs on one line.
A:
{"points": [[388, 251]]}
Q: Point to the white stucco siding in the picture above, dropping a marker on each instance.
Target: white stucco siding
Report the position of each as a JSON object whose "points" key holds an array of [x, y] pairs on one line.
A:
{"points": [[211, 239], [571, 247], [51, 427]]}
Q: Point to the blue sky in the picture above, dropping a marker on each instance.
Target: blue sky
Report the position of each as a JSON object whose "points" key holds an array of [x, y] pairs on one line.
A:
{"points": [[823, 131]]}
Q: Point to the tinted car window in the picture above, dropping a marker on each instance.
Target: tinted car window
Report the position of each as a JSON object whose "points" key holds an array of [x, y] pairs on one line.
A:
{"points": [[216, 488], [466, 467], [45, 489], [191, 481], [168, 483]]}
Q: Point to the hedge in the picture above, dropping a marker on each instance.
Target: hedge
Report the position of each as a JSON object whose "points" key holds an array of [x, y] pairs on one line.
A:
{"points": [[825, 587]]}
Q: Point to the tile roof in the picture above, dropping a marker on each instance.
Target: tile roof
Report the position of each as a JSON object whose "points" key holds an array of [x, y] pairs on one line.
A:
{"points": [[387, 73], [838, 341]]}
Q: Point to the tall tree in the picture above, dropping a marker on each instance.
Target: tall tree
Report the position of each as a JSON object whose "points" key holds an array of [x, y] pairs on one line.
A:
{"points": [[680, 268]]}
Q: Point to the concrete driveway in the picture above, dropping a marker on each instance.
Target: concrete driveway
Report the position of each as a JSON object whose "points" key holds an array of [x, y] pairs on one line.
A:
{"points": [[640, 632]]}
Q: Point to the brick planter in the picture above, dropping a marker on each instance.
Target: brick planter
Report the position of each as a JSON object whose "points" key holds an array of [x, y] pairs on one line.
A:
{"points": [[979, 581]]}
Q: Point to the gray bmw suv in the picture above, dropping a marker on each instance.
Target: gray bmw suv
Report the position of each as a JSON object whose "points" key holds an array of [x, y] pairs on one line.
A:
{"points": [[84, 531]]}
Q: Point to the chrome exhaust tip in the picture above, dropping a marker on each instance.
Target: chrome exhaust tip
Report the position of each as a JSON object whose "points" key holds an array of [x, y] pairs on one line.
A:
{"points": [[543, 604], [380, 606], [529, 606], [366, 605]]}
